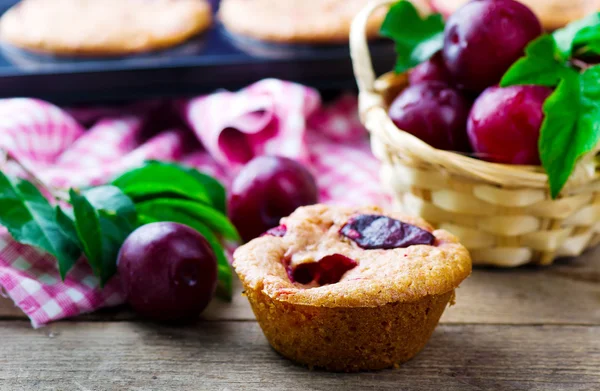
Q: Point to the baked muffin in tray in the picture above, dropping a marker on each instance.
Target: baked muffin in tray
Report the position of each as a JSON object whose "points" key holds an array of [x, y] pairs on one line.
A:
{"points": [[350, 289], [296, 21], [97, 28]]}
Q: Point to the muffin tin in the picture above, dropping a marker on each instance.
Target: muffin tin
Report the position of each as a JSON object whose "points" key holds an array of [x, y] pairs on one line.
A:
{"points": [[213, 60]]}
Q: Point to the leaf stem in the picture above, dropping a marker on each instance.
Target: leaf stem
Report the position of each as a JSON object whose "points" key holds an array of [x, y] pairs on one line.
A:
{"points": [[58, 194], [582, 65]]}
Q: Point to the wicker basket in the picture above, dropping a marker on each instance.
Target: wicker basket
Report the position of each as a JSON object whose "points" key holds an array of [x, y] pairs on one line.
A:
{"points": [[503, 213]]}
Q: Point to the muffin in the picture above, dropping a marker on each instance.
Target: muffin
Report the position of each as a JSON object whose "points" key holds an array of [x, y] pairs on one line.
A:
{"points": [[350, 289], [102, 28], [295, 21]]}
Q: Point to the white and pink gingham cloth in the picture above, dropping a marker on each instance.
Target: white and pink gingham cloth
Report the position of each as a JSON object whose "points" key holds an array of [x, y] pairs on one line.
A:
{"points": [[269, 117]]}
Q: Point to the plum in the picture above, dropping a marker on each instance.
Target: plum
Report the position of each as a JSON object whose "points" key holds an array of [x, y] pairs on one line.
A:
{"points": [[483, 38], [504, 124], [327, 270], [435, 113], [267, 189], [168, 271], [372, 232], [433, 69]]}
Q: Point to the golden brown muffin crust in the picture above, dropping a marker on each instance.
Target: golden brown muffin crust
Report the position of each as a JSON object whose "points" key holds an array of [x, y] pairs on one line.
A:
{"points": [[295, 21], [381, 277], [103, 27]]}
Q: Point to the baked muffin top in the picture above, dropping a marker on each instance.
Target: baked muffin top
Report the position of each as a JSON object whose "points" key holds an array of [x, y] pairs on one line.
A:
{"points": [[295, 21], [374, 277], [103, 27]]}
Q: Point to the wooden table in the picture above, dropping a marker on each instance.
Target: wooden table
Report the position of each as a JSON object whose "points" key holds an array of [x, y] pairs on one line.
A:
{"points": [[525, 329]]}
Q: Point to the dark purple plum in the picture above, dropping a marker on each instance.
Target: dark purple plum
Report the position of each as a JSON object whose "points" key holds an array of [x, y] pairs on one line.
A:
{"points": [[435, 113], [328, 270], [168, 271], [373, 232], [433, 69], [483, 38], [267, 189], [504, 124], [304, 273], [333, 267]]}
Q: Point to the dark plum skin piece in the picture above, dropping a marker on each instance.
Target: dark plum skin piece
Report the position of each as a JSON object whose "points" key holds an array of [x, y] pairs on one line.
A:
{"points": [[303, 273], [433, 69], [168, 271], [483, 38], [373, 232], [435, 113], [278, 231], [328, 270], [504, 124], [267, 189]]}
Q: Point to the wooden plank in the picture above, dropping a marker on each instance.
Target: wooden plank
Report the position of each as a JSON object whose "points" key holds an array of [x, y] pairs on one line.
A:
{"points": [[565, 293], [235, 356]]}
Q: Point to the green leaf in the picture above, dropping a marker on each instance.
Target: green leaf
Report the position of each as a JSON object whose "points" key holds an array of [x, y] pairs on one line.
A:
{"points": [[149, 214], [214, 188], [159, 179], [214, 219], [571, 126], [101, 232], [89, 232], [539, 66], [592, 48], [579, 32], [31, 220], [111, 200], [67, 227], [115, 230], [416, 39]]}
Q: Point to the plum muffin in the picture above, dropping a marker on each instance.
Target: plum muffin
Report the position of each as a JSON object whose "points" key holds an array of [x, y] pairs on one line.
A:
{"points": [[350, 289]]}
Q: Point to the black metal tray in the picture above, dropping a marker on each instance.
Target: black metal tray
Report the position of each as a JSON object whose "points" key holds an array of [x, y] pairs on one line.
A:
{"points": [[210, 61]]}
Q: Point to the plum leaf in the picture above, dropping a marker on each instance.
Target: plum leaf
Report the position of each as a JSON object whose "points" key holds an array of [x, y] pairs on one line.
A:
{"points": [[539, 66], [31, 220], [159, 179], [571, 127], [581, 32], [216, 220], [416, 38]]}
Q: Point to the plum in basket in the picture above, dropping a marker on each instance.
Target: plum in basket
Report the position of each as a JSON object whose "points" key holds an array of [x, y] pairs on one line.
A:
{"points": [[483, 38], [504, 124], [435, 113]]}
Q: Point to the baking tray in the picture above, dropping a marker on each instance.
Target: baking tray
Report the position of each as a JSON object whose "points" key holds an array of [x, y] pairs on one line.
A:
{"points": [[213, 60]]}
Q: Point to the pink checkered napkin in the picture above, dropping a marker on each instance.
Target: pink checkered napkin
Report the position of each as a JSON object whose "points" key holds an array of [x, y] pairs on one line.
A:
{"points": [[269, 117]]}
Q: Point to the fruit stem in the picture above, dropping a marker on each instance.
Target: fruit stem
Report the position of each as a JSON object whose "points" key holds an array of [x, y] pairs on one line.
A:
{"points": [[58, 194]]}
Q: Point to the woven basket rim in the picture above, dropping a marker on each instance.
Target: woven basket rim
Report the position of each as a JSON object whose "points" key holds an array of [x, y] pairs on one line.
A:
{"points": [[373, 113]]}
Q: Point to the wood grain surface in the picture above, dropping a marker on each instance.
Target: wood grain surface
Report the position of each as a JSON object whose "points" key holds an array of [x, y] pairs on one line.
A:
{"points": [[235, 356], [522, 329]]}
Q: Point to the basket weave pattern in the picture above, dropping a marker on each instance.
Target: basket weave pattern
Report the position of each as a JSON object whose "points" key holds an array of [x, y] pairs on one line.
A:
{"points": [[502, 213]]}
